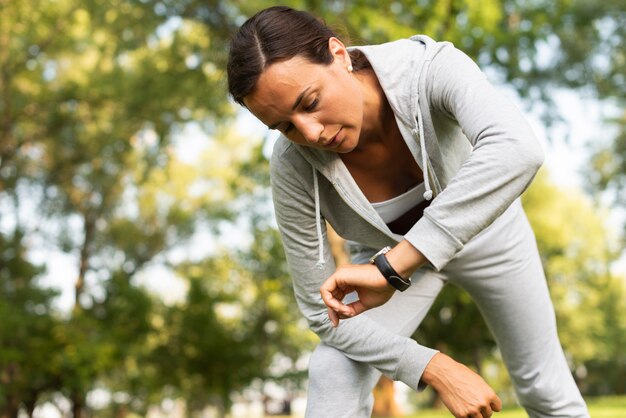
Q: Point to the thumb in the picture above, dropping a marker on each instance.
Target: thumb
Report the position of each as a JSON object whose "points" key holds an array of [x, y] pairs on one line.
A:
{"points": [[334, 318], [356, 308]]}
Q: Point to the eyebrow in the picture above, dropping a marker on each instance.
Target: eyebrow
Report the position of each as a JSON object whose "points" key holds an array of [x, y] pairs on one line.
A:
{"points": [[295, 105]]}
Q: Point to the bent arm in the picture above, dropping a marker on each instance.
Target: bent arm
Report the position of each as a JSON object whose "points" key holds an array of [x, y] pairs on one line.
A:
{"points": [[360, 338], [504, 159]]}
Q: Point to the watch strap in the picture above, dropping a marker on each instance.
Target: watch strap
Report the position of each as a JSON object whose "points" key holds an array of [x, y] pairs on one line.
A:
{"points": [[390, 274]]}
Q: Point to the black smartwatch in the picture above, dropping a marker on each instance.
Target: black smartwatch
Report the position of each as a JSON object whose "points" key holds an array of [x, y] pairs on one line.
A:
{"points": [[390, 274]]}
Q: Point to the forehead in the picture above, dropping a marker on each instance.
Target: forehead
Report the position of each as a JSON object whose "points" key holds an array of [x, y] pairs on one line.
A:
{"points": [[292, 73], [280, 85]]}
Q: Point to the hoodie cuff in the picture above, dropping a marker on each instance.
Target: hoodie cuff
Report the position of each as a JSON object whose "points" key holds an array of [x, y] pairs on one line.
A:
{"points": [[433, 241], [412, 364]]}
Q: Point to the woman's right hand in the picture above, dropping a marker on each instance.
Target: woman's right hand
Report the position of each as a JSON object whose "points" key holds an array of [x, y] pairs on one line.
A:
{"points": [[364, 279], [463, 391]]}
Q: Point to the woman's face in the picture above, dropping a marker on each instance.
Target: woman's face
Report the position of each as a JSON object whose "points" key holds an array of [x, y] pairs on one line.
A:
{"points": [[316, 105]]}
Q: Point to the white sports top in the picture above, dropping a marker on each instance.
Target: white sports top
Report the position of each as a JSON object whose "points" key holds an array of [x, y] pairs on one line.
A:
{"points": [[392, 209]]}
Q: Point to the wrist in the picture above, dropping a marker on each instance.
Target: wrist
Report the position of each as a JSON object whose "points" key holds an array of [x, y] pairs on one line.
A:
{"points": [[389, 273], [405, 259], [434, 370], [381, 281]]}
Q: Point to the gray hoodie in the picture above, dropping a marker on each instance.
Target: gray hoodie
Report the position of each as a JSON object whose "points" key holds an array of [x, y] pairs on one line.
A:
{"points": [[476, 151]]}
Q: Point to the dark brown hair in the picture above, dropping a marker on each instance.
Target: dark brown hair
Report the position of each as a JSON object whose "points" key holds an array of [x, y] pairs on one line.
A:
{"points": [[274, 34]]}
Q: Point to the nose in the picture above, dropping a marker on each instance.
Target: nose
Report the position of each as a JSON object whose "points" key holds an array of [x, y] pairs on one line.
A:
{"points": [[310, 129]]}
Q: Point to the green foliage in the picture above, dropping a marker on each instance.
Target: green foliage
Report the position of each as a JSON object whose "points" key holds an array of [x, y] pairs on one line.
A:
{"points": [[94, 100], [237, 317], [26, 334], [607, 172]]}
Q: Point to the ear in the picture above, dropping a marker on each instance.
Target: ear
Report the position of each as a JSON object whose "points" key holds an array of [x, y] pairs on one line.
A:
{"points": [[339, 51]]}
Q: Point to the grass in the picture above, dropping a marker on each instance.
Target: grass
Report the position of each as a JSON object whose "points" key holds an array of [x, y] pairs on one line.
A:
{"points": [[605, 407], [609, 407]]}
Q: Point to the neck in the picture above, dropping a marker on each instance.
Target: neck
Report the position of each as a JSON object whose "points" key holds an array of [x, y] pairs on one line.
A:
{"points": [[378, 117]]}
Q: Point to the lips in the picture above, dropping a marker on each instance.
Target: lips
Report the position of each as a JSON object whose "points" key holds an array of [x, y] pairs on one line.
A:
{"points": [[333, 140]]}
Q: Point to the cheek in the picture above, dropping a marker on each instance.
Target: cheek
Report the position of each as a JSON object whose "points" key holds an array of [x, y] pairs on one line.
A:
{"points": [[354, 104], [348, 106]]}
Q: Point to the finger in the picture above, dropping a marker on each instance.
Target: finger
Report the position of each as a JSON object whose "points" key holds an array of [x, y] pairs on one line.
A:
{"points": [[496, 403], [328, 288], [332, 295], [334, 318], [346, 289], [486, 411], [339, 307], [330, 300], [356, 308], [345, 316], [496, 406]]}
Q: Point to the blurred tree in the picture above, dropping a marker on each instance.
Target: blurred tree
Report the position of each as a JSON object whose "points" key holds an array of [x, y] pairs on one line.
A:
{"points": [[26, 333], [607, 171], [537, 46], [237, 318], [92, 95]]}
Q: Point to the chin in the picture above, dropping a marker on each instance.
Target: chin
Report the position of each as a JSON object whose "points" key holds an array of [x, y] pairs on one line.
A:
{"points": [[346, 150]]}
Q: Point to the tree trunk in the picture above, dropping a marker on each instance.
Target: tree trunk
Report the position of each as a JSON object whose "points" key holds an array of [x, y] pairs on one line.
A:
{"points": [[122, 411], [78, 405], [89, 228], [385, 404], [8, 375], [11, 407], [31, 402], [338, 247]]}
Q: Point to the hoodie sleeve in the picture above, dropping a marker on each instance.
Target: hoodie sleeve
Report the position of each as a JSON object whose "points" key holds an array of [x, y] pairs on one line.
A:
{"points": [[359, 338], [504, 159]]}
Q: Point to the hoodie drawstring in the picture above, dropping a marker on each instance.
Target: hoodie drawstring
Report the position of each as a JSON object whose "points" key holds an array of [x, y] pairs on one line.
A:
{"points": [[318, 222], [428, 194]]}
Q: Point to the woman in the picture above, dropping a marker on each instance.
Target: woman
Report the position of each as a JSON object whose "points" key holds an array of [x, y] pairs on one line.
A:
{"points": [[403, 147]]}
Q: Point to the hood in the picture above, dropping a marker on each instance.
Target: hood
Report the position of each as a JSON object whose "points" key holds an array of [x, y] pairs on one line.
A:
{"points": [[400, 67]]}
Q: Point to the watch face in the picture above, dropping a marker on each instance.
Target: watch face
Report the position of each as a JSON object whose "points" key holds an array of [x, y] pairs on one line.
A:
{"points": [[384, 250]]}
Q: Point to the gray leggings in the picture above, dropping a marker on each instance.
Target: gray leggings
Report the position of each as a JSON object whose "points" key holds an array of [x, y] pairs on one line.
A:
{"points": [[501, 270]]}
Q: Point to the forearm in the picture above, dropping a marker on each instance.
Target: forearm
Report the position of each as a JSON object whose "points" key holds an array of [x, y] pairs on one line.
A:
{"points": [[361, 339], [405, 258]]}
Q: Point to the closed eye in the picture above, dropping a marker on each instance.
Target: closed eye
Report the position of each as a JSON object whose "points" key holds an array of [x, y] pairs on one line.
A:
{"points": [[287, 128], [312, 106]]}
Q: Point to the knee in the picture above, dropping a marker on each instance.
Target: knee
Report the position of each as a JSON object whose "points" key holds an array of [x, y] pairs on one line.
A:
{"points": [[339, 386], [329, 366], [545, 395]]}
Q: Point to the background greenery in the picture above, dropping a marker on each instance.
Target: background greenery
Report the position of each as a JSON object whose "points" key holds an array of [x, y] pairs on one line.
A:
{"points": [[96, 101], [598, 408]]}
